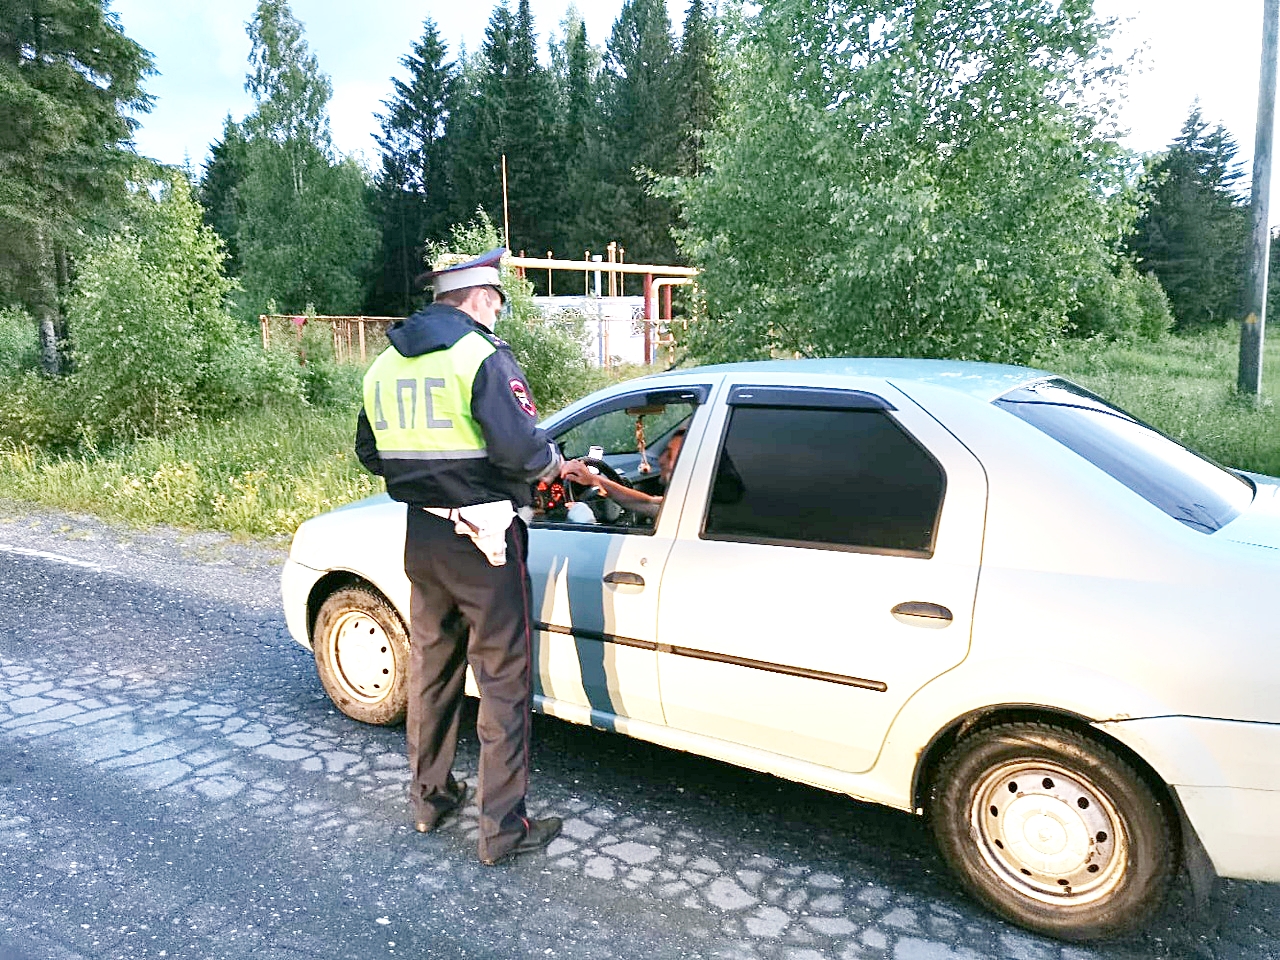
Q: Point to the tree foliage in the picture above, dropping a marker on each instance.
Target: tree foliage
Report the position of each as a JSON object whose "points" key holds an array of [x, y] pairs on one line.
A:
{"points": [[304, 234], [411, 190], [70, 87], [1194, 229], [920, 179], [154, 344], [698, 103], [641, 129], [220, 189]]}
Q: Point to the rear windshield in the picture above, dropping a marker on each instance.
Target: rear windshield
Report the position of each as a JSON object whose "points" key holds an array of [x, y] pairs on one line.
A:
{"points": [[1188, 487]]}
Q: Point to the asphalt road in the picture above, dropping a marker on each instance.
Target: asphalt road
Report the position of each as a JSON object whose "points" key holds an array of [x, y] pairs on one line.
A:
{"points": [[174, 783]]}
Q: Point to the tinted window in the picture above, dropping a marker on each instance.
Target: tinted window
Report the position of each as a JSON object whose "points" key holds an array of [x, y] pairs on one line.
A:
{"points": [[1188, 487], [844, 478]]}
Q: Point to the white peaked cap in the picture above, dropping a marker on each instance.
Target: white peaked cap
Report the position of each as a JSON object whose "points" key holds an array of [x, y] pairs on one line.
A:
{"points": [[480, 272]]}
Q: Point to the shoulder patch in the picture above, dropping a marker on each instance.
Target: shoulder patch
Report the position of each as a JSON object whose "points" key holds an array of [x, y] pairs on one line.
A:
{"points": [[521, 393]]}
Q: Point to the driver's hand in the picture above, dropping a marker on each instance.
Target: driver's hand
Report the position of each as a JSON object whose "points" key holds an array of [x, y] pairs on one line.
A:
{"points": [[578, 472]]}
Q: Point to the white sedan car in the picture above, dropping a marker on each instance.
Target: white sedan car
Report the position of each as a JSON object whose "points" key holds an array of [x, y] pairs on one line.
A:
{"points": [[975, 592]]}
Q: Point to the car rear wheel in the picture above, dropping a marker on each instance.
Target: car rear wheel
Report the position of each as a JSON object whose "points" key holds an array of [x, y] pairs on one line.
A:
{"points": [[1053, 831], [362, 656]]}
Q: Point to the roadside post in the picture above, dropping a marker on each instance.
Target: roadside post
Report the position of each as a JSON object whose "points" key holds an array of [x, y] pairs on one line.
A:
{"points": [[1253, 328]]}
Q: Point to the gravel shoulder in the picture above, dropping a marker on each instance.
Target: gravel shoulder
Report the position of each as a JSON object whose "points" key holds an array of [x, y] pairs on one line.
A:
{"points": [[162, 554]]}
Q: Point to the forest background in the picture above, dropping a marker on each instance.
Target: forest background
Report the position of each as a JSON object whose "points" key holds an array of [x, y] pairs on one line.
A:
{"points": [[872, 178]]}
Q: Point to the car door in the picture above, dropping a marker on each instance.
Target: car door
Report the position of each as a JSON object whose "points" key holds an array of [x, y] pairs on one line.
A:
{"points": [[825, 570], [595, 583]]}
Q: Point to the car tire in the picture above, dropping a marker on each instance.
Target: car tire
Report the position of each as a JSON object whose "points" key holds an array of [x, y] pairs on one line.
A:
{"points": [[362, 655], [1053, 830]]}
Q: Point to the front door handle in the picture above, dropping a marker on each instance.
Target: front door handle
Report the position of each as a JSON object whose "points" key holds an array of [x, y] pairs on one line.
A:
{"points": [[917, 613], [624, 577]]}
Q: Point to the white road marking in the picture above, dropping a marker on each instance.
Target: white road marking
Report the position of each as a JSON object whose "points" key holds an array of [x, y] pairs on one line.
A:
{"points": [[55, 557]]}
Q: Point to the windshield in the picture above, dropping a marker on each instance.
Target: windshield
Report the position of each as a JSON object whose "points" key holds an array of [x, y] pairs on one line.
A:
{"points": [[1188, 487]]}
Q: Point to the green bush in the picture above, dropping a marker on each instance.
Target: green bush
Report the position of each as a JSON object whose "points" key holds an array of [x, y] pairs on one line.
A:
{"points": [[1121, 306], [39, 411], [154, 346], [18, 350]]}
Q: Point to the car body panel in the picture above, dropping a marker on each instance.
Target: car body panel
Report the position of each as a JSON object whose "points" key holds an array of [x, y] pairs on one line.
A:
{"points": [[1227, 778], [810, 717]]}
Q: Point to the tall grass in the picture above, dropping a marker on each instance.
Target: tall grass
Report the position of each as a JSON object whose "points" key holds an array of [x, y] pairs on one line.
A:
{"points": [[265, 472], [259, 475], [1185, 386]]}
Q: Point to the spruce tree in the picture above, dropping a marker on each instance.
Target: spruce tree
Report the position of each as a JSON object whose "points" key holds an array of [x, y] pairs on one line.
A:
{"points": [[506, 108], [411, 189], [220, 188], [533, 167], [70, 84], [1192, 233], [640, 135], [578, 219], [698, 104]]}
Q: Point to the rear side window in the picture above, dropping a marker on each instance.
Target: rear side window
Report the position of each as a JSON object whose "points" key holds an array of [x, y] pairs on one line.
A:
{"points": [[834, 478], [1188, 487]]}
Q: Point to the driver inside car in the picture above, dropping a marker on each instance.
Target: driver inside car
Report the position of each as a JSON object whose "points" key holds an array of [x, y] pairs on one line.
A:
{"points": [[638, 502]]}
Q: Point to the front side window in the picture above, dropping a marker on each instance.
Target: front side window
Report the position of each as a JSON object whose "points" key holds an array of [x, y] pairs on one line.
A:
{"points": [[1188, 487], [834, 478], [630, 448]]}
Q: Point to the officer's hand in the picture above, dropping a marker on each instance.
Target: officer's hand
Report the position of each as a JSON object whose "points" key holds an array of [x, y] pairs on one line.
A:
{"points": [[578, 472]]}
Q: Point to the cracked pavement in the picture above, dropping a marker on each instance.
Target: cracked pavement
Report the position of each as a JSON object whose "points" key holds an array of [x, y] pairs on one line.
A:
{"points": [[174, 783]]}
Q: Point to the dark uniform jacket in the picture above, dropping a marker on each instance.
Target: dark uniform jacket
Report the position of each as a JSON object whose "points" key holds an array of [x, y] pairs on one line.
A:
{"points": [[516, 452]]}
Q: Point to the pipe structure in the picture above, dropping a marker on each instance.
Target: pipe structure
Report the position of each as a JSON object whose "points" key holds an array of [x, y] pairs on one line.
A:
{"points": [[577, 266], [652, 290]]}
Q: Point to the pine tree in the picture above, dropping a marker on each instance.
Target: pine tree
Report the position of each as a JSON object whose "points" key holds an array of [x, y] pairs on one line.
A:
{"points": [[69, 81], [412, 197], [1193, 231]]}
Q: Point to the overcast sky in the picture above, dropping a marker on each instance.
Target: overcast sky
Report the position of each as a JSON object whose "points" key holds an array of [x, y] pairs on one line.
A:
{"points": [[201, 52]]}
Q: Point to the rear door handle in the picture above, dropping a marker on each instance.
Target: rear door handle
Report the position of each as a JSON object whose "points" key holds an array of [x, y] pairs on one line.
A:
{"points": [[917, 613], [624, 577]]}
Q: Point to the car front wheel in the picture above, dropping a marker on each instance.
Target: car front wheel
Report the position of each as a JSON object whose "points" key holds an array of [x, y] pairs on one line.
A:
{"points": [[1054, 831], [362, 655]]}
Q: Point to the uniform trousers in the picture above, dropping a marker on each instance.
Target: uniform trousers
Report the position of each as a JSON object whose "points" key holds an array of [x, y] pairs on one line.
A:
{"points": [[464, 610]]}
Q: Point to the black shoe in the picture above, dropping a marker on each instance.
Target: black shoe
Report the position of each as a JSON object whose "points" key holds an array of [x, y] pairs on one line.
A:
{"points": [[537, 834], [429, 821]]}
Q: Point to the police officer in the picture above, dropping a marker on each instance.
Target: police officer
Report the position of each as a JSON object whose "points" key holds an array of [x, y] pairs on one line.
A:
{"points": [[449, 422]]}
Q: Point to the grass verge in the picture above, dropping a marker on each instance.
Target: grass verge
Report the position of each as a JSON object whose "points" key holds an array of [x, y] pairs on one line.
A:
{"points": [[1185, 386], [266, 472], [260, 475]]}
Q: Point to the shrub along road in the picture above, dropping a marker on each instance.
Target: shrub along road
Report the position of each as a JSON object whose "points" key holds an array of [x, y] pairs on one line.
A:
{"points": [[173, 783]]}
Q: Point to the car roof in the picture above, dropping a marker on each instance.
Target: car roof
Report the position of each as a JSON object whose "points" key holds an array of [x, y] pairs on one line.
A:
{"points": [[986, 381]]}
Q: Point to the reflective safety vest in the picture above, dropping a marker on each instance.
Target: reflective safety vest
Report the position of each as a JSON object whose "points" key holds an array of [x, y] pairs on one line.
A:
{"points": [[420, 407]]}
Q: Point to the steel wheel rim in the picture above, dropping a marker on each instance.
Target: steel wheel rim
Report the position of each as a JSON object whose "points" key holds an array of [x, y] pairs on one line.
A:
{"points": [[361, 657], [1049, 833]]}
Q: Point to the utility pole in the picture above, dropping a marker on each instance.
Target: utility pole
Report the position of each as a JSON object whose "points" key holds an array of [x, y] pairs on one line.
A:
{"points": [[506, 220], [1255, 314]]}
